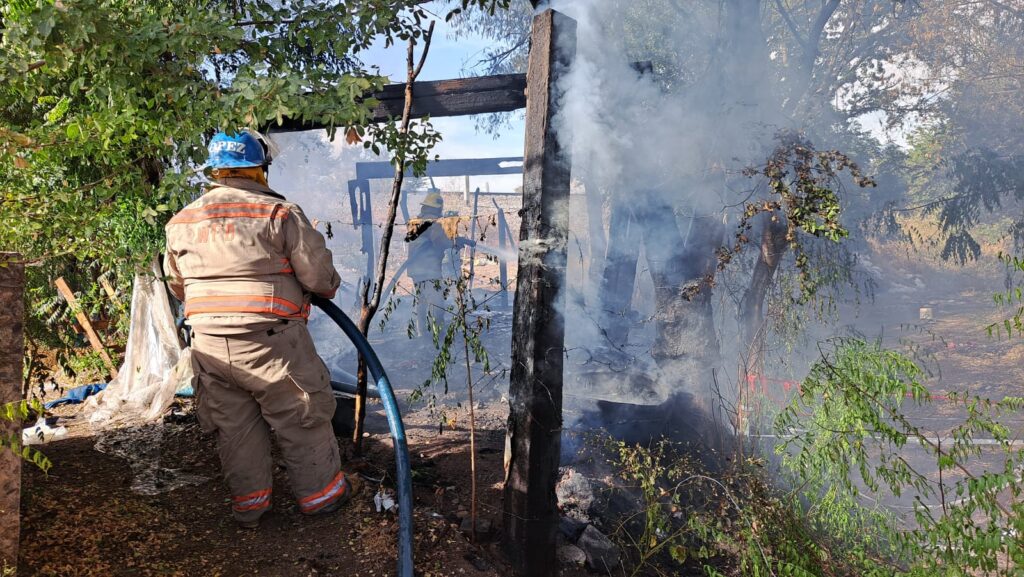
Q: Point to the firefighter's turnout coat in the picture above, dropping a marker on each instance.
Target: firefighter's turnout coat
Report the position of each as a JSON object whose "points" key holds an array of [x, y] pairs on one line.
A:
{"points": [[244, 261]]}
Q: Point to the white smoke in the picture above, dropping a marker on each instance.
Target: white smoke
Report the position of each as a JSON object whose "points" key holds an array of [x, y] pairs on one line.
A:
{"points": [[674, 138]]}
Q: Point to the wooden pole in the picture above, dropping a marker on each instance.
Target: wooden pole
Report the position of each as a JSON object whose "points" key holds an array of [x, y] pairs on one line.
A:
{"points": [[83, 319], [502, 261], [538, 331], [12, 348], [472, 236]]}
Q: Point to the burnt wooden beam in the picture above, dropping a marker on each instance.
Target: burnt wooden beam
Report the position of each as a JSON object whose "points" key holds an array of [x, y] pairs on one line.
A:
{"points": [[457, 97], [12, 349], [538, 329], [440, 98]]}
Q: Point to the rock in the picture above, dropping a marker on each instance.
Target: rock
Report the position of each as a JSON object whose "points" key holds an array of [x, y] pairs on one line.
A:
{"points": [[483, 527], [571, 528], [478, 562], [574, 494], [602, 554], [571, 555]]}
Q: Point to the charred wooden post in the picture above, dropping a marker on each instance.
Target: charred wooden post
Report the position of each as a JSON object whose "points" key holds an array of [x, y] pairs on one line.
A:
{"points": [[12, 347], [538, 331]]}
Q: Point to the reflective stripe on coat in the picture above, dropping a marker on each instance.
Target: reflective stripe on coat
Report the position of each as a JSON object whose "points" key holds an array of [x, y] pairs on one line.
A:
{"points": [[241, 255]]}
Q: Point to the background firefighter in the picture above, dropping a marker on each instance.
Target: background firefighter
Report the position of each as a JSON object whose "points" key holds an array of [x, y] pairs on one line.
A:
{"points": [[428, 244], [245, 261]]}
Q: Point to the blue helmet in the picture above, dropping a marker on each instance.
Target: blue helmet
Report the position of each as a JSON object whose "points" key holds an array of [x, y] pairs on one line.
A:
{"points": [[239, 150]]}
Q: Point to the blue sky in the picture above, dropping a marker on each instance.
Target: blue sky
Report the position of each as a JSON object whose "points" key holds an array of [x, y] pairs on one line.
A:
{"points": [[449, 58]]}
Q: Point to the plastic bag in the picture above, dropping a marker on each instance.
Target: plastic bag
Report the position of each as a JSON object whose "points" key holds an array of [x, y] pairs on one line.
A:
{"points": [[153, 368]]}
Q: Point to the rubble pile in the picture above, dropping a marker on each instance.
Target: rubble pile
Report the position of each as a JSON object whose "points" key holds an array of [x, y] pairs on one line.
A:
{"points": [[580, 541]]}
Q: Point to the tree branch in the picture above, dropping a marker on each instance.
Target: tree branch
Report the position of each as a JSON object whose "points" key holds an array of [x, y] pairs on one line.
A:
{"points": [[371, 305], [1010, 9], [788, 18], [426, 49], [814, 34]]}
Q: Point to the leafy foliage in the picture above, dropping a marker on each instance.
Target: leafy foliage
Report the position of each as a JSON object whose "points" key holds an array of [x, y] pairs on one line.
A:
{"points": [[727, 521], [983, 180], [802, 192], [966, 101], [16, 413], [848, 431], [1013, 296], [444, 336]]}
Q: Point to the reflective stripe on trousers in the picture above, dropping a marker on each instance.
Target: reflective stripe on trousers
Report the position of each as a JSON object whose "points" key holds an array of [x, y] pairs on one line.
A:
{"points": [[252, 501], [335, 489]]}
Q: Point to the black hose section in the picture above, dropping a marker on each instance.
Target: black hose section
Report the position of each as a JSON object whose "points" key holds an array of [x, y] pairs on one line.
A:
{"points": [[350, 389], [387, 395]]}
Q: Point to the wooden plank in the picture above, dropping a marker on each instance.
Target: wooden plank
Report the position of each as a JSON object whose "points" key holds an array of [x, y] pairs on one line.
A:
{"points": [[83, 319], [449, 167], [12, 349], [439, 98], [109, 289], [538, 330], [598, 244]]}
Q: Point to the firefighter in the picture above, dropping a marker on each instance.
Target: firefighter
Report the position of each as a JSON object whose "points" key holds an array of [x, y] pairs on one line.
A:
{"points": [[428, 244], [245, 261]]}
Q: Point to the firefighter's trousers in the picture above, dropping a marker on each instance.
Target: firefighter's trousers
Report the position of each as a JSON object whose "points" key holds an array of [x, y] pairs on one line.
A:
{"points": [[430, 301], [250, 383]]}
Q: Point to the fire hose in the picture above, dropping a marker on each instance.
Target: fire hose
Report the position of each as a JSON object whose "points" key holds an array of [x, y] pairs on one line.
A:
{"points": [[403, 472]]}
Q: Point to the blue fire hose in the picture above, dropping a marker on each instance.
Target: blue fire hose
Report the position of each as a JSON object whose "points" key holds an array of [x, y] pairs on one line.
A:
{"points": [[387, 396]]}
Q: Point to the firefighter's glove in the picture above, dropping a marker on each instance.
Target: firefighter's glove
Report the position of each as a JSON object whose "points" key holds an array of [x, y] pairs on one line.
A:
{"points": [[417, 229]]}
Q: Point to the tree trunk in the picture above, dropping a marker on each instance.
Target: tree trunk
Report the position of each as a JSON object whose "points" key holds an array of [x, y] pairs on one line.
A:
{"points": [[773, 247], [371, 293], [12, 348]]}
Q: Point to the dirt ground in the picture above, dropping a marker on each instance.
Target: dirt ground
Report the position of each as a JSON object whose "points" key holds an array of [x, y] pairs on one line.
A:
{"points": [[84, 519]]}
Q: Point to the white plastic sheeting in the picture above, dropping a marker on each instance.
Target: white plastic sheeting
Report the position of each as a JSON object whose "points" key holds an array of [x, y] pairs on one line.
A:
{"points": [[155, 365]]}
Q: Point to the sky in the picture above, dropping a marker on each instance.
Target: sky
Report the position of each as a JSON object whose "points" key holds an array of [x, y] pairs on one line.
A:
{"points": [[449, 58]]}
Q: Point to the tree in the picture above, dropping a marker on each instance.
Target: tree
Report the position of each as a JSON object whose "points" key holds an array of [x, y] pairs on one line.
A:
{"points": [[967, 95], [106, 105]]}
